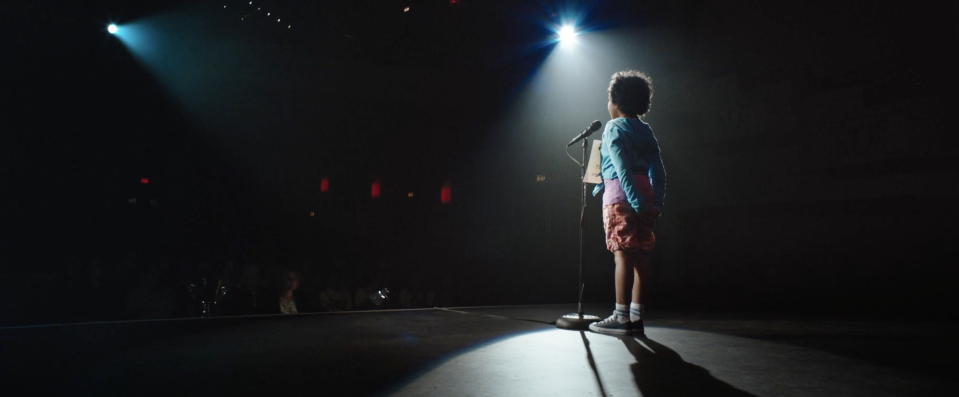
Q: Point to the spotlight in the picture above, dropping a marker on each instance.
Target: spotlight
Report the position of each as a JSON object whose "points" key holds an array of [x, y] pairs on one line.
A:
{"points": [[112, 29], [566, 33]]}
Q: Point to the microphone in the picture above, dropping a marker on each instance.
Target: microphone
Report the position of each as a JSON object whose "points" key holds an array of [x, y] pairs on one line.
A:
{"points": [[589, 130]]}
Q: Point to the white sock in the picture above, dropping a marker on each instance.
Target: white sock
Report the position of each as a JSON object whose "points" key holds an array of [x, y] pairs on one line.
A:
{"points": [[636, 311], [620, 311]]}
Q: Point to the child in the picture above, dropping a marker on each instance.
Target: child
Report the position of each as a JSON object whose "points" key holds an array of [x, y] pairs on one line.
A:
{"points": [[635, 184]]}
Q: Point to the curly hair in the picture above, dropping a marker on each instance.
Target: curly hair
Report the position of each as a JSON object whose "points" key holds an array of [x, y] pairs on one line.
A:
{"points": [[631, 91]]}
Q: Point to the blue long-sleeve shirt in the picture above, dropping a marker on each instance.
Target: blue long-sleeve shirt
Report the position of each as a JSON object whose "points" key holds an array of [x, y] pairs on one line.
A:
{"points": [[629, 146]]}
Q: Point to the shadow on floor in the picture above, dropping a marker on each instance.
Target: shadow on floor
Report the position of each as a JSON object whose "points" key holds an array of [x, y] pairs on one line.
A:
{"points": [[592, 363], [910, 352], [660, 371]]}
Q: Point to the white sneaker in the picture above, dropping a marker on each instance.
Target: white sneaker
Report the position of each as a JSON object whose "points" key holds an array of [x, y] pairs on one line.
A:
{"points": [[613, 325]]}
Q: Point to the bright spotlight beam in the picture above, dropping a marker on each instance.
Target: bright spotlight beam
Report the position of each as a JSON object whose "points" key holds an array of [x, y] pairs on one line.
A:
{"points": [[112, 29], [567, 34]]}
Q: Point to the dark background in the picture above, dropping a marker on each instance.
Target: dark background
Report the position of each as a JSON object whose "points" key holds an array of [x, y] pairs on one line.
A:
{"points": [[809, 147]]}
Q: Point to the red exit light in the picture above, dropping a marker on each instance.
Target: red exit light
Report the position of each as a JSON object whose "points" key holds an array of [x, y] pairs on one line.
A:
{"points": [[144, 181], [375, 189], [325, 185], [446, 193]]}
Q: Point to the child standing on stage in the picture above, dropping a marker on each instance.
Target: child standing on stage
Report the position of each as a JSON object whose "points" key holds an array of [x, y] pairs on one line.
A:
{"points": [[635, 183]]}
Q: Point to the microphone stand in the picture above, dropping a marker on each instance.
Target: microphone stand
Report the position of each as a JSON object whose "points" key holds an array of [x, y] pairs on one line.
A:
{"points": [[578, 320]]}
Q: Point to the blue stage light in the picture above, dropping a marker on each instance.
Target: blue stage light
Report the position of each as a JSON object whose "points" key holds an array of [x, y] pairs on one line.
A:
{"points": [[112, 29]]}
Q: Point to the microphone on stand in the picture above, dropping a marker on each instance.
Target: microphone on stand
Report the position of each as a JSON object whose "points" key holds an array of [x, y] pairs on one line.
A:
{"points": [[589, 130], [578, 320]]}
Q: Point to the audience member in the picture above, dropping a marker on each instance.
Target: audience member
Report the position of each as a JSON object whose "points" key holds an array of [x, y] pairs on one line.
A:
{"points": [[284, 301], [413, 296], [101, 297], [152, 299], [361, 298], [311, 286], [222, 291], [334, 298], [247, 297]]}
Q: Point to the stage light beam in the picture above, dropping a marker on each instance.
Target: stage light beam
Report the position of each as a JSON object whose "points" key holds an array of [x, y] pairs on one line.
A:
{"points": [[567, 34], [112, 29]]}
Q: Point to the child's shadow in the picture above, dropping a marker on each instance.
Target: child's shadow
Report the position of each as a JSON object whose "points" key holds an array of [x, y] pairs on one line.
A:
{"points": [[661, 372]]}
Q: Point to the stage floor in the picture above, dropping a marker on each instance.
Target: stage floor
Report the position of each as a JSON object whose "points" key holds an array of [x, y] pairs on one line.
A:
{"points": [[499, 351]]}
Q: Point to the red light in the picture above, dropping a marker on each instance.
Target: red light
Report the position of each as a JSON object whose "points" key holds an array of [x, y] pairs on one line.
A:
{"points": [[325, 185], [375, 189], [446, 193], [144, 181], [454, 1]]}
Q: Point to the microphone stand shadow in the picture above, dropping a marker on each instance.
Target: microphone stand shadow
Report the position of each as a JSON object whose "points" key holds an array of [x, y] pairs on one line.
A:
{"points": [[660, 371], [592, 363]]}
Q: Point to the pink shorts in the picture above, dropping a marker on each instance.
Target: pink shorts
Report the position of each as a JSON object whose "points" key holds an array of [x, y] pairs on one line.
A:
{"points": [[625, 231]]}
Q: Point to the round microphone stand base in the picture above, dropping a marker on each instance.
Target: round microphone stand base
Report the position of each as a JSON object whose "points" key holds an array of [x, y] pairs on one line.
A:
{"points": [[576, 322]]}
